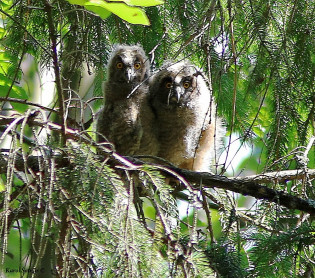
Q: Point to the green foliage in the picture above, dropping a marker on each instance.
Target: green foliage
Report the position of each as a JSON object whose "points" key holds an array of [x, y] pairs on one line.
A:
{"points": [[222, 254], [9, 72], [127, 10], [111, 219], [273, 255]]}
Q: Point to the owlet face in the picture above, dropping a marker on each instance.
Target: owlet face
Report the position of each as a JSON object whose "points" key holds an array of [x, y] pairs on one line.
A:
{"points": [[176, 86], [128, 66]]}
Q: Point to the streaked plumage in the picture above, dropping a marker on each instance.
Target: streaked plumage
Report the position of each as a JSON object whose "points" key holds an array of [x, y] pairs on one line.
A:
{"points": [[185, 116], [119, 122]]}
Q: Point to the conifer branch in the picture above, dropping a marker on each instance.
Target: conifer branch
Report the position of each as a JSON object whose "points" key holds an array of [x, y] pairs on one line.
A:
{"points": [[250, 185]]}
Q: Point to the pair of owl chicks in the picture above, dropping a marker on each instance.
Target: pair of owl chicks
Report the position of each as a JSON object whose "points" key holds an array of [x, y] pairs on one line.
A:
{"points": [[170, 114]]}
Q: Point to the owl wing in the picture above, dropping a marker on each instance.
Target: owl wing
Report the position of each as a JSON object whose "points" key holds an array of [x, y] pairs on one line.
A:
{"points": [[202, 159], [149, 142], [120, 124], [210, 141]]}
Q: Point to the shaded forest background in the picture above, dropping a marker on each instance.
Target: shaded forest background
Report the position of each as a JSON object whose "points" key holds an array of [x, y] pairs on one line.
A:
{"points": [[66, 212]]}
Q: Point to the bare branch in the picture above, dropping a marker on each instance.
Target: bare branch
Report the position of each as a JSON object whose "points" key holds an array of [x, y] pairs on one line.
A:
{"points": [[250, 185], [24, 101], [281, 176], [52, 34]]}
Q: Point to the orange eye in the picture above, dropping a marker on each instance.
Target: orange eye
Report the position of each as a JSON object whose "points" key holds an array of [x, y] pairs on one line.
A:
{"points": [[119, 65], [168, 85], [186, 84], [137, 66]]}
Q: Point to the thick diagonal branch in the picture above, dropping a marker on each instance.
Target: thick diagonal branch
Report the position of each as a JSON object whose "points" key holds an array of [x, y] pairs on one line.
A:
{"points": [[251, 185]]}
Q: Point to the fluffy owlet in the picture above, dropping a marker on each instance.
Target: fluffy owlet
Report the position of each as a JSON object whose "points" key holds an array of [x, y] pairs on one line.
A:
{"points": [[125, 94], [185, 116]]}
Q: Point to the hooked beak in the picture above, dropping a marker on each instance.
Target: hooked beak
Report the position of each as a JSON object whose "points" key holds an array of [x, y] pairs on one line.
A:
{"points": [[129, 75], [178, 92], [175, 95]]}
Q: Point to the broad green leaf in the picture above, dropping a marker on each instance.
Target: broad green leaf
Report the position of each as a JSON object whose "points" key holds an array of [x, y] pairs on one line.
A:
{"points": [[102, 12], [130, 14], [216, 224], [6, 6], [4, 66], [77, 2], [2, 185], [144, 3], [6, 82], [15, 92], [7, 64], [2, 32], [138, 3], [4, 55]]}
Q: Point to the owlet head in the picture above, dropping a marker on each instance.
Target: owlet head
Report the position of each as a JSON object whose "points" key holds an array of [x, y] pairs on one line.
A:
{"points": [[128, 65], [175, 85]]}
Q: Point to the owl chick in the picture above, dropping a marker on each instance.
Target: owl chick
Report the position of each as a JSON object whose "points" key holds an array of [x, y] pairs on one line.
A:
{"points": [[119, 121], [185, 116]]}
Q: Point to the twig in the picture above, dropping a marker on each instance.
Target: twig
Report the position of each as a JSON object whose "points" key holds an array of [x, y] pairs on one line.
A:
{"points": [[245, 185], [52, 34], [24, 101], [234, 83], [253, 188], [281, 176]]}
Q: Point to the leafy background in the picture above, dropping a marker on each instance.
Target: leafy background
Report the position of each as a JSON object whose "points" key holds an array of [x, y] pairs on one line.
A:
{"points": [[259, 58]]}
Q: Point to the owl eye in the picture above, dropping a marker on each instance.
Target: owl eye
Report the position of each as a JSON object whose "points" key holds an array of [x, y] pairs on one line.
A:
{"points": [[186, 84], [119, 65], [137, 66], [168, 85]]}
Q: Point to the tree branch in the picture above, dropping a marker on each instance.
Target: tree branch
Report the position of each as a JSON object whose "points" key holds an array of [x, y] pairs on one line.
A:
{"points": [[281, 176], [24, 101], [250, 185], [52, 35]]}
